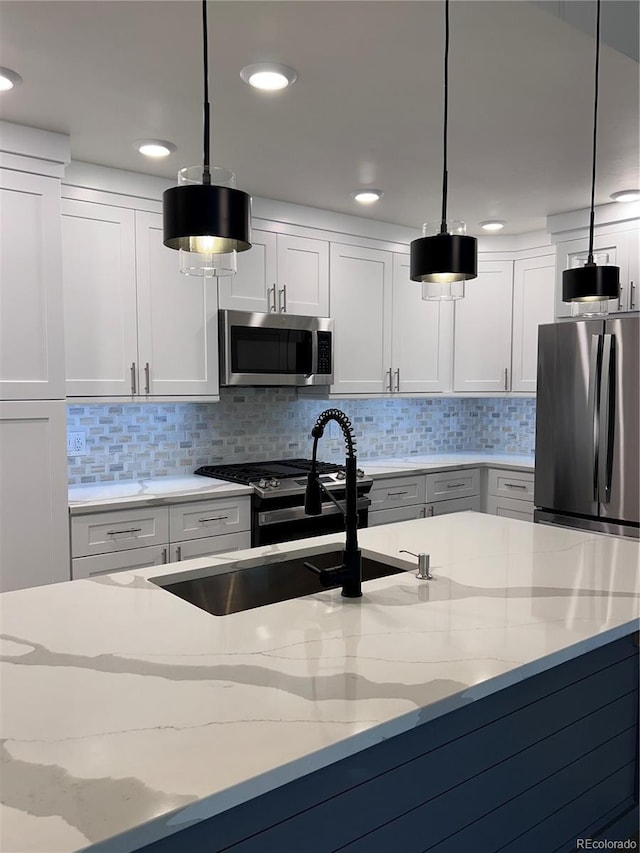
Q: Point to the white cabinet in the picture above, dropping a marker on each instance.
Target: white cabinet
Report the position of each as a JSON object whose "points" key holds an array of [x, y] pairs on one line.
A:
{"points": [[622, 249], [34, 525], [31, 317], [510, 494], [482, 330], [281, 273], [360, 299], [470, 504], [390, 492], [421, 336], [134, 326], [410, 496], [117, 540], [533, 304], [445, 485]]}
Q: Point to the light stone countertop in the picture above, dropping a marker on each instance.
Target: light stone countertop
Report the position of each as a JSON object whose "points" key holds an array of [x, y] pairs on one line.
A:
{"points": [[123, 494], [128, 712]]}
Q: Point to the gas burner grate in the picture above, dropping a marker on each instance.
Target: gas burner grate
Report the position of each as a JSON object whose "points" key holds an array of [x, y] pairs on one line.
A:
{"points": [[280, 469]]}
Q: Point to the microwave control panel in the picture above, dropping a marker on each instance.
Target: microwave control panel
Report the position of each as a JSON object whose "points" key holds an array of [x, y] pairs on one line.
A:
{"points": [[324, 353]]}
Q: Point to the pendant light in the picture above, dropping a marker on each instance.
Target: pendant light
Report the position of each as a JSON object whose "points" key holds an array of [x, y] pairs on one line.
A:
{"points": [[205, 217], [444, 257], [592, 283]]}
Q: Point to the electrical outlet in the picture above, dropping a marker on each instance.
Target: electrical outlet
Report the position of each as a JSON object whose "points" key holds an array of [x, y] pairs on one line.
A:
{"points": [[76, 444]]}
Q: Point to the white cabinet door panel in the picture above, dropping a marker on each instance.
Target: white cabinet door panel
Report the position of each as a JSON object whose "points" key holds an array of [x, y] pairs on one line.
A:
{"points": [[34, 516], [99, 275], [360, 303], [482, 330], [533, 304], [422, 335], [31, 314], [303, 276], [252, 288], [458, 505], [210, 545], [398, 491], [207, 518], [105, 564], [177, 319], [509, 508], [400, 513], [444, 485], [119, 530]]}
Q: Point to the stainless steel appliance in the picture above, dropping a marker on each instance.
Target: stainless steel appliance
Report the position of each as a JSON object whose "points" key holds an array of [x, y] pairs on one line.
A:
{"points": [[277, 503], [587, 469], [275, 349]]}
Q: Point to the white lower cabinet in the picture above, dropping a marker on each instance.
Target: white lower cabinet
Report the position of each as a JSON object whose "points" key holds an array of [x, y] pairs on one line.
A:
{"points": [[510, 493], [401, 513], [113, 541], [453, 505], [445, 485]]}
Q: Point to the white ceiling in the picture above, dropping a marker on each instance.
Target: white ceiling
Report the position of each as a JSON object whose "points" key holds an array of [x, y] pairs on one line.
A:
{"points": [[366, 108]]}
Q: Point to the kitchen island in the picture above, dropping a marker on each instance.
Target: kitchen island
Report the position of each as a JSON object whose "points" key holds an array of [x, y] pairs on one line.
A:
{"points": [[132, 718]]}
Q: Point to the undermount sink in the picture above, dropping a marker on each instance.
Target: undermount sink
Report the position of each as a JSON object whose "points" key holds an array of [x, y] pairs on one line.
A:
{"points": [[244, 589]]}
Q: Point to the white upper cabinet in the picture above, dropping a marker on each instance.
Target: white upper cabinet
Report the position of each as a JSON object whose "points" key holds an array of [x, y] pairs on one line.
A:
{"points": [[533, 304], [177, 319], [421, 337], [134, 325], [99, 273], [360, 300], [280, 273], [31, 317], [482, 330], [622, 249]]}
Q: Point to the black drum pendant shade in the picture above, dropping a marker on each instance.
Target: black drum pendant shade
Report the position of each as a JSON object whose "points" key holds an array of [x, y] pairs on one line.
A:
{"points": [[206, 218], [592, 283], [443, 258]]}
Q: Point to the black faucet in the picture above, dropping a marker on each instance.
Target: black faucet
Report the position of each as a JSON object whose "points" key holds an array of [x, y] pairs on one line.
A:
{"points": [[349, 574]]}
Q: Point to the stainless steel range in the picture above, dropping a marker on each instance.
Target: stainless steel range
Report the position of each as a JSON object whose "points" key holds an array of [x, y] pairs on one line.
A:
{"points": [[277, 503]]}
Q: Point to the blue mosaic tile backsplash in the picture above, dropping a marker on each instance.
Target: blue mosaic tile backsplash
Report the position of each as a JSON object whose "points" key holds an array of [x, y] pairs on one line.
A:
{"points": [[128, 441]]}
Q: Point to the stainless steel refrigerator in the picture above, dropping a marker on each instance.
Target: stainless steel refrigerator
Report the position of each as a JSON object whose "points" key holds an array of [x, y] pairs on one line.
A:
{"points": [[587, 469]]}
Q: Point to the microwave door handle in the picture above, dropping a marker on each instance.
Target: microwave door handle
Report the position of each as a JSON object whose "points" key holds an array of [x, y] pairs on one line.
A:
{"points": [[314, 353]]}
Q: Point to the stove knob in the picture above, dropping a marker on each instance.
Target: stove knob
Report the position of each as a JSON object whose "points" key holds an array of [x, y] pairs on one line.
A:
{"points": [[274, 483], [262, 484], [359, 472], [340, 475]]}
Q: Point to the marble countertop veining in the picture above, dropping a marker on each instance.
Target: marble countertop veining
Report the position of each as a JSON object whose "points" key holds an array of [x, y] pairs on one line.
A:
{"points": [[117, 696], [123, 494]]}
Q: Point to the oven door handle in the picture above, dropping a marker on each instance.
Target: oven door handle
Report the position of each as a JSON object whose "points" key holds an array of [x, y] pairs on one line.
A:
{"points": [[295, 513]]}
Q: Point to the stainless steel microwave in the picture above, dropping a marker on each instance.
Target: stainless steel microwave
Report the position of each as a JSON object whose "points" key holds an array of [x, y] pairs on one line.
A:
{"points": [[275, 349]]}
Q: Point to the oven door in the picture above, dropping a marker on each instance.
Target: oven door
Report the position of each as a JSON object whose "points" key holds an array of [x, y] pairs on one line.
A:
{"points": [[289, 523], [274, 349]]}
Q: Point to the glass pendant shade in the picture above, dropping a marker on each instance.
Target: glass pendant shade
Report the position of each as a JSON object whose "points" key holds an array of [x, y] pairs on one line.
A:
{"points": [[207, 223], [443, 261], [590, 284]]}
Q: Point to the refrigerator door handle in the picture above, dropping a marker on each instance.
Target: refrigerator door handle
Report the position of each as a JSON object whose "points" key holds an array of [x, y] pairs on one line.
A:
{"points": [[594, 394], [605, 427]]}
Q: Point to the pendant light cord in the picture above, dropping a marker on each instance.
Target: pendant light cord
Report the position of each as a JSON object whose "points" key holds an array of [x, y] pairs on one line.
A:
{"points": [[595, 133], [443, 223], [206, 174]]}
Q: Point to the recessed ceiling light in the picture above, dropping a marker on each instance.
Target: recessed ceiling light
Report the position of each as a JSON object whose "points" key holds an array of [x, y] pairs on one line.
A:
{"points": [[626, 195], [268, 76], [493, 225], [155, 147], [8, 79], [367, 196]]}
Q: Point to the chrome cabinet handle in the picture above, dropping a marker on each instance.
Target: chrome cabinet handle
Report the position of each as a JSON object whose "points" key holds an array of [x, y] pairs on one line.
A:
{"points": [[398, 379], [515, 486], [126, 530], [388, 375], [506, 379], [270, 291], [147, 379], [164, 555], [213, 518], [133, 377], [429, 513], [632, 295], [283, 301], [395, 494], [456, 485], [178, 552]]}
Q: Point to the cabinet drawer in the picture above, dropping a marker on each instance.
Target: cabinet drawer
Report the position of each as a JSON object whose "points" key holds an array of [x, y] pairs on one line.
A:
{"points": [[210, 545], [397, 492], [455, 505], [510, 508], [453, 484], [510, 484], [106, 532], [208, 518], [400, 513], [104, 564]]}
